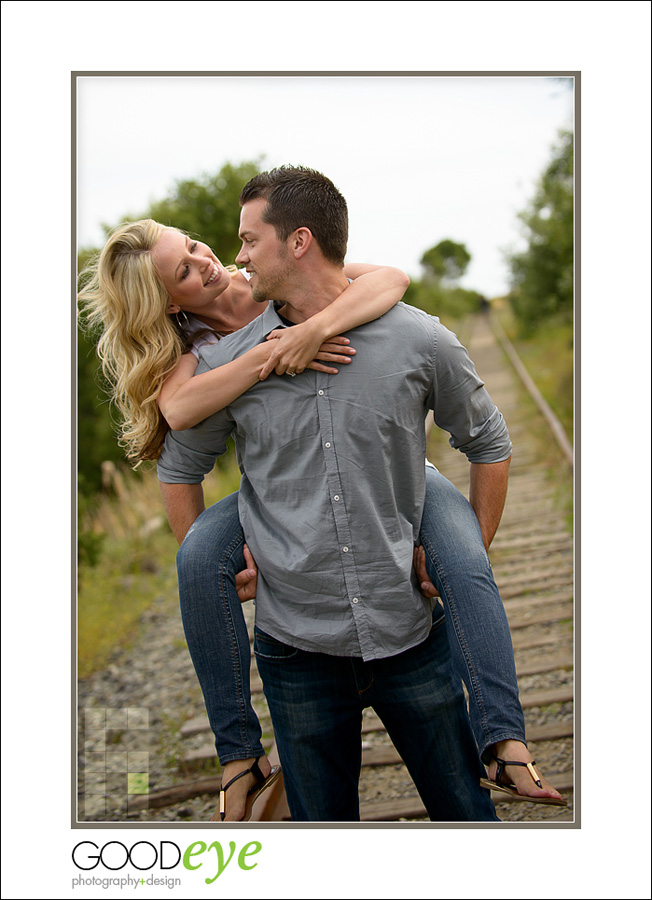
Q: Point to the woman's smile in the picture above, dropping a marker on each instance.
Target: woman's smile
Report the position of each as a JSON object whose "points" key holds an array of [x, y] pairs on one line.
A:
{"points": [[216, 273]]}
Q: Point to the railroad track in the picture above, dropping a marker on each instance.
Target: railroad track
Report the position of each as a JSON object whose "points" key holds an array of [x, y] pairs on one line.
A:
{"points": [[532, 557]]}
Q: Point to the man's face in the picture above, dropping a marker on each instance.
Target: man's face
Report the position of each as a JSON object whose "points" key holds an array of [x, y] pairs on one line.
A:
{"points": [[263, 255]]}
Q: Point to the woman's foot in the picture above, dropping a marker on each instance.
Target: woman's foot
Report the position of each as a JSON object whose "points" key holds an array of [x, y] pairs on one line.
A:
{"points": [[521, 777], [236, 796]]}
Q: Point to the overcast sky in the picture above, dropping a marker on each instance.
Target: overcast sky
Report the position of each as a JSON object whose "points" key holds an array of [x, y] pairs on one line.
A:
{"points": [[419, 158]]}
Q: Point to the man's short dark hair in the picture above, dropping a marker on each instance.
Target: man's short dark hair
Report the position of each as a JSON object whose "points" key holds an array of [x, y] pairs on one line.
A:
{"points": [[298, 197]]}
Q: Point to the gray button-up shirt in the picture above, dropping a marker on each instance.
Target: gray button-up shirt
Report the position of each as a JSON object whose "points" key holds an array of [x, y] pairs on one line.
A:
{"points": [[333, 477]]}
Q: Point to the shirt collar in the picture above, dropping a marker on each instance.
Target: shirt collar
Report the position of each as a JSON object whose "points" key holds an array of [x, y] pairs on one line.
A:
{"points": [[271, 320]]}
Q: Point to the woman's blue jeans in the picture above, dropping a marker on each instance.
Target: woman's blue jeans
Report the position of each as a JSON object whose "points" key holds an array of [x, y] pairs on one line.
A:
{"points": [[476, 625], [207, 562]]}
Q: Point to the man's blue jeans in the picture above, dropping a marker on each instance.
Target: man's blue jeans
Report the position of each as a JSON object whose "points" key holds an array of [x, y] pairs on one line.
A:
{"points": [[478, 633], [316, 704]]}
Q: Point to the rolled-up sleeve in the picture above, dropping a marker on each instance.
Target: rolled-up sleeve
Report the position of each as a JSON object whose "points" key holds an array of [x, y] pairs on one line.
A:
{"points": [[189, 455], [461, 404]]}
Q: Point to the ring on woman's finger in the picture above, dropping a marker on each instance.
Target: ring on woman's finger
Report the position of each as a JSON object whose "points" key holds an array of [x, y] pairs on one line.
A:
{"points": [[291, 374]]}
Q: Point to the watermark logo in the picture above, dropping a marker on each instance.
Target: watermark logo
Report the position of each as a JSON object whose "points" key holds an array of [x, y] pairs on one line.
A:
{"points": [[113, 776], [143, 856], [125, 882]]}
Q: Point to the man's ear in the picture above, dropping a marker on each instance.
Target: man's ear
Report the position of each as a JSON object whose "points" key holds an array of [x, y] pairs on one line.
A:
{"points": [[299, 241], [173, 308]]}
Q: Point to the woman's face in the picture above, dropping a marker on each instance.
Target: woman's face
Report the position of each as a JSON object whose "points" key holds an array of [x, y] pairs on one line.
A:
{"points": [[193, 276]]}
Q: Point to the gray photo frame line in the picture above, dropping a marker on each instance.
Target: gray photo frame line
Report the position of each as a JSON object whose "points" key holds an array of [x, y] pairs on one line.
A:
{"points": [[137, 718]]}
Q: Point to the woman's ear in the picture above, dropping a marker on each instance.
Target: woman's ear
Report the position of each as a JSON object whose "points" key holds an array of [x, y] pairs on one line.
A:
{"points": [[173, 308]]}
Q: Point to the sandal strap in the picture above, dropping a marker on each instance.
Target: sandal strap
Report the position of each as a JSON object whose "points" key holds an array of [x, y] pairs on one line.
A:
{"points": [[503, 763], [254, 770]]}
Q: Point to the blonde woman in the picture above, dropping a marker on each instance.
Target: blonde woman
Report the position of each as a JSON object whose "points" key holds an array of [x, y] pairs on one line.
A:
{"points": [[158, 295]]}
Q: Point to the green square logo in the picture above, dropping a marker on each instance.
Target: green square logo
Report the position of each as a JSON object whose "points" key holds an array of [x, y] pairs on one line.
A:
{"points": [[138, 782]]}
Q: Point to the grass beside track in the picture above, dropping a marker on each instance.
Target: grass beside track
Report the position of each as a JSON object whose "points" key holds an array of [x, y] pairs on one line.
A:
{"points": [[135, 562], [548, 355]]}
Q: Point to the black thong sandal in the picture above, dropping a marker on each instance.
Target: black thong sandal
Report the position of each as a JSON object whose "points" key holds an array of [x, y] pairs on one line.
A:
{"points": [[497, 785], [253, 794]]}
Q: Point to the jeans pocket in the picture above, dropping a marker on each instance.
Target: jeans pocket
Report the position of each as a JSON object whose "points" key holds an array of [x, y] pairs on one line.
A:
{"points": [[267, 647], [438, 617]]}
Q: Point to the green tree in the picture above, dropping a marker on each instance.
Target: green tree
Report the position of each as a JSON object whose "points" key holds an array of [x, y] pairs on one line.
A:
{"points": [[208, 208], [95, 426], [542, 275], [96, 431], [438, 293], [446, 262]]}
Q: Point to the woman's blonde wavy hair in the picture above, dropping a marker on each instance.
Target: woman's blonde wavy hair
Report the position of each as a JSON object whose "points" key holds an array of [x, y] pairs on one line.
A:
{"points": [[139, 344]]}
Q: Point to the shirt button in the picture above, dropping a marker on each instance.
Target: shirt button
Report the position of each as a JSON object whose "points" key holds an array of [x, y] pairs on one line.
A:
{"points": [[345, 549], [336, 497], [355, 599], [327, 444], [321, 393]]}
